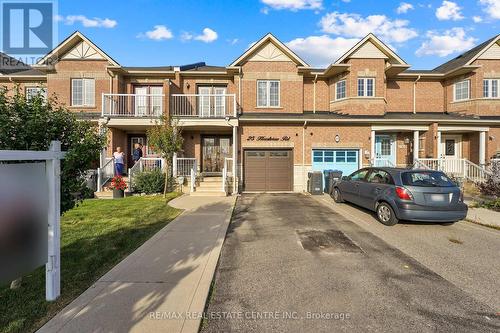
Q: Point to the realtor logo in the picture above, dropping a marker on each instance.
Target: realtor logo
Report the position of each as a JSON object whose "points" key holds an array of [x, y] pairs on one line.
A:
{"points": [[27, 26]]}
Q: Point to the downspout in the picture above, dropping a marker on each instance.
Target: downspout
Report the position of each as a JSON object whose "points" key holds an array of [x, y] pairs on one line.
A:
{"points": [[239, 86], [314, 93], [415, 95], [304, 182]]}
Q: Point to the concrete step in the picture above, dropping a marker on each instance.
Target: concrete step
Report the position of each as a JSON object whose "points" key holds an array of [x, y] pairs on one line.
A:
{"points": [[104, 195], [210, 185], [207, 194], [211, 179]]}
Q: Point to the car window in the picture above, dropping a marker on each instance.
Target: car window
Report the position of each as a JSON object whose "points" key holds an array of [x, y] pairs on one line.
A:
{"points": [[426, 179], [380, 177], [359, 175]]}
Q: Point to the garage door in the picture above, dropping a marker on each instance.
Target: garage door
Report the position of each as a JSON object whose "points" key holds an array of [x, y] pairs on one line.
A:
{"points": [[268, 170], [345, 160]]}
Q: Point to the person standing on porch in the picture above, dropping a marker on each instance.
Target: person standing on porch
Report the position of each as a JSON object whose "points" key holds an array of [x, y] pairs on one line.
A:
{"points": [[119, 161], [137, 153]]}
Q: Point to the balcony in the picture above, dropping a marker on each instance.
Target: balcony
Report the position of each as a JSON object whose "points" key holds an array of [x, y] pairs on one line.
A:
{"points": [[132, 105], [203, 105]]}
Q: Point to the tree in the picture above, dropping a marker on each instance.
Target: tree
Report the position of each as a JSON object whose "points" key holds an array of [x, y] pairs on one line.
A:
{"points": [[32, 124], [166, 138]]}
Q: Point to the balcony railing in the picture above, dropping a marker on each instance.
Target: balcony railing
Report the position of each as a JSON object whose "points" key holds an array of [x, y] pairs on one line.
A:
{"points": [[132, 105], [203, 106]]}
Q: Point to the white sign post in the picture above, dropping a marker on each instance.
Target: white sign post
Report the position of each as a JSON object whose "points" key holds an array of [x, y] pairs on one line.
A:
{"points": [[52, 159]]}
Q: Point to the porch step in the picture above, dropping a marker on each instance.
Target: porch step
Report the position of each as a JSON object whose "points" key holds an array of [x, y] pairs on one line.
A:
{"points": [[104, 195], [211, 180], [210, 185]]}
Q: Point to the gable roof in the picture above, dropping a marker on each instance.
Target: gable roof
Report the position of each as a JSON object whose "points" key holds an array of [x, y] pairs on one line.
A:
{"points": [[68, 44], [269, 38], [378, 43], [466, 58]]}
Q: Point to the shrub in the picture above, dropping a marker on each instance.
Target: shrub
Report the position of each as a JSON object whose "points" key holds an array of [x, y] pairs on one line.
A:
{"points": [[149, 182], [491, 186]]}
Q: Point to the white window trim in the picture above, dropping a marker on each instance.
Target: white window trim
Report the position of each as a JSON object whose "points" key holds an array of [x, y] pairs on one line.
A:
{"points": [[365, 85], [84, 93], [455, 91], [345, 89], [490, 88], [268, 94]]}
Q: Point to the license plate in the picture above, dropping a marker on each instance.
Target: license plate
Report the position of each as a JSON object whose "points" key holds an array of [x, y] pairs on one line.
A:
{"points": [[438, 197]]}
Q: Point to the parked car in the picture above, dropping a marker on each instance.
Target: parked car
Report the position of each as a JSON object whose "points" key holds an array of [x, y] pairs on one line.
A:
{"points": [[403, 194]]}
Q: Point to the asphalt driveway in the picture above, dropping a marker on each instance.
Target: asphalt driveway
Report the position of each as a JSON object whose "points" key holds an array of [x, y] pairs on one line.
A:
{"points": [[292, 264]]}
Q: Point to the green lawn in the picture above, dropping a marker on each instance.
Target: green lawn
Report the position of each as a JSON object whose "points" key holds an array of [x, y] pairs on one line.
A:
{"points": [[94, 237]]}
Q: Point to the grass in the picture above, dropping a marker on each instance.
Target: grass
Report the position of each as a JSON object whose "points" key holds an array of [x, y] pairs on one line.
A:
{"points": [[95, 236]]}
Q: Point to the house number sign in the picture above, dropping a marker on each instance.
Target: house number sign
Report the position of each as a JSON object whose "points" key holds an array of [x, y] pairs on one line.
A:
{"points": [[268, 138]]}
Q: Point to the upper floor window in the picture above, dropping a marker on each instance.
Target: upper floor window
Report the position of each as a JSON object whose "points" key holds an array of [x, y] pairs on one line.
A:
{"points": [[340, 90], [490, 88], [366, 87], [83, 92], [268, 93], [36, 91], [461, 91]]}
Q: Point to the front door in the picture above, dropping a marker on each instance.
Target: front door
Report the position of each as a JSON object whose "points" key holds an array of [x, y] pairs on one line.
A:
{"points": [[132, 140], [214, 150], [451, 153], [385, 151]]}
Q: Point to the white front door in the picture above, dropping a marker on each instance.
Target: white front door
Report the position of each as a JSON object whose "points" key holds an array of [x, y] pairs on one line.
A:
{"points": [[140, 100], [451, 153], [385, 150]]}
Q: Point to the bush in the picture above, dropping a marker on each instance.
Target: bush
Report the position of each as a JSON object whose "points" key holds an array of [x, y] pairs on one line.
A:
{"points": [[149, 182], [491, 186]]}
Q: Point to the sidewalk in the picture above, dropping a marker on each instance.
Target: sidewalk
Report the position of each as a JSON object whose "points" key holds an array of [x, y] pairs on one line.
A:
{"points": [[162, 283]]}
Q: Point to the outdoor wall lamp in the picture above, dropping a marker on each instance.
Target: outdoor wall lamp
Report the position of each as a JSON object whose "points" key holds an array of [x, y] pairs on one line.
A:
{"points": [[188, 85], [337, 138]]}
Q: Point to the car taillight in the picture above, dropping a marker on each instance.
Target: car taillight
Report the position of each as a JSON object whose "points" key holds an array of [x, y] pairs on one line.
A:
{"points": [[403, 193]]}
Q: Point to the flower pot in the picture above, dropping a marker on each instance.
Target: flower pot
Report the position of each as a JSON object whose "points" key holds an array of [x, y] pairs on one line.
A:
{"points": [[118, 193]]}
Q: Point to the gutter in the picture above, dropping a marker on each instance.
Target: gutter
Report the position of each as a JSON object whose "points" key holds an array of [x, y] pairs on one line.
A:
{"points": [[415, 94], [368, 120]]}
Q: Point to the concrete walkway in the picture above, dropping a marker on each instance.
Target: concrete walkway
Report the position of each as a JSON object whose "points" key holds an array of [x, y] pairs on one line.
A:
{"points": [[163, 285]]}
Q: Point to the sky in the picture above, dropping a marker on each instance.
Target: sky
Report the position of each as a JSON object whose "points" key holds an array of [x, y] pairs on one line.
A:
{"points": [[158, 33]]}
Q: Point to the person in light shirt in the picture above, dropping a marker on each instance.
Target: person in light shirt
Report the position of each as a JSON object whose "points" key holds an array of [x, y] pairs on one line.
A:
{"points": [[119, 161]]}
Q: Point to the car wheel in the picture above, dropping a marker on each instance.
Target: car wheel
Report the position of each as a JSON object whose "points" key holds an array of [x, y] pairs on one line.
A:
{"points": [[337, 197], [385, 214]]}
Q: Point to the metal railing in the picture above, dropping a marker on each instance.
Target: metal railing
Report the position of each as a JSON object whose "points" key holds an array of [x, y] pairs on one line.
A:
{"points": [[227, 174], [183, 166], [382, 162], [457, 167], [105, 173], [203, 105], [144, 164], [132, 105]]}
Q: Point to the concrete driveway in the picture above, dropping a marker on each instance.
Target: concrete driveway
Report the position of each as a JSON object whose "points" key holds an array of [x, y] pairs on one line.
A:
{"points": [[292, 264]]}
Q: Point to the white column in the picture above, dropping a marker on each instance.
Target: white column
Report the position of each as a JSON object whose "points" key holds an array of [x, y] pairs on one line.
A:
{"points": [[438, 144], [174, 165], [482, 148], [235, 156], [372, 147], [416, 145], [53, 268]]}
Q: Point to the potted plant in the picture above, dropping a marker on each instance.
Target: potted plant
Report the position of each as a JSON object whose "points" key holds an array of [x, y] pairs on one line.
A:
{"points": [[119, 186]]}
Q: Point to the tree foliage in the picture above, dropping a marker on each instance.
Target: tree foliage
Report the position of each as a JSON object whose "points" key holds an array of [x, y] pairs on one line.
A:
{"points": [[33, 124], [491, 186], [165, 137]]}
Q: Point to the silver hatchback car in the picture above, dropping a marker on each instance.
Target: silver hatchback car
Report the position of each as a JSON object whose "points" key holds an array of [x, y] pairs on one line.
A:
{"points": [[403, 194]]}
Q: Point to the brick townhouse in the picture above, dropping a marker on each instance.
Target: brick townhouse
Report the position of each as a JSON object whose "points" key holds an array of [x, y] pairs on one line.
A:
{"points": [[268, 118]]}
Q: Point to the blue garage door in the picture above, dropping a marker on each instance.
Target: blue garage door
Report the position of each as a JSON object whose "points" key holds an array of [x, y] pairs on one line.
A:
{"points": [[345, 160]]}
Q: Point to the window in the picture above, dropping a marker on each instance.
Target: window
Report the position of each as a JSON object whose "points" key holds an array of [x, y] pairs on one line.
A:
{"points": [[268, 93], [366, 87], [461, 90], [490, 88], [340, 90], [359, 175], [449, 147], [36, 91], [380, 177], [82, 92], [426, 179]]}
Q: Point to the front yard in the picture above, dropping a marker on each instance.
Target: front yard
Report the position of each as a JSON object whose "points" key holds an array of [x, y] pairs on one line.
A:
{"points": [[94, 237]]}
